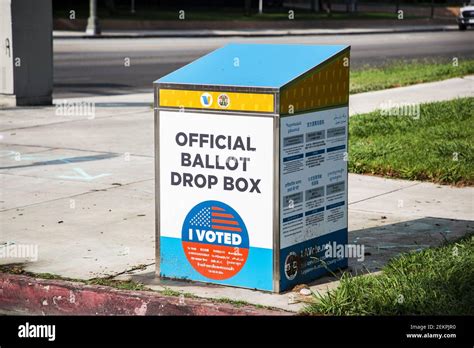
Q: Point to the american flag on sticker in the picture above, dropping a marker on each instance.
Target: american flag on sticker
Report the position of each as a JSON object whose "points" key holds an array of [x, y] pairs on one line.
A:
{"points": [[216, 218]]}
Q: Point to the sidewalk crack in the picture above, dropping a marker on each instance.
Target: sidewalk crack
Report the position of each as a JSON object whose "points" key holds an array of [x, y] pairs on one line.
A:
{"points": [[385, 193], [135, 268]]}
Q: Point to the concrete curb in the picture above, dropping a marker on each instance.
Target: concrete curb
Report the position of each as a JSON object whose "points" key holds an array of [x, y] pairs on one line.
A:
{"points": [[250, 33], [32, 296]]}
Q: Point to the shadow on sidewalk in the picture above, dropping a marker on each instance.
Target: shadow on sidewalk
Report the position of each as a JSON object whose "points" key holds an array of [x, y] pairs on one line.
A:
{"points": [[382, 243]]}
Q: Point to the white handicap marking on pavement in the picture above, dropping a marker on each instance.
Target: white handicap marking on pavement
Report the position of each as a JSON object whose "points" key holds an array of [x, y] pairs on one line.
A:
{"points": [[83, 175]]}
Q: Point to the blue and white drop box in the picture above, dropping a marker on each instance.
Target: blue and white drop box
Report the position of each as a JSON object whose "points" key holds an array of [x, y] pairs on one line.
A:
{"points": [[251, 166]]}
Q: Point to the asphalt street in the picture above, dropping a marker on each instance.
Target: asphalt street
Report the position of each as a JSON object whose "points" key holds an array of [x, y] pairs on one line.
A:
{"points": [[84, 67]]}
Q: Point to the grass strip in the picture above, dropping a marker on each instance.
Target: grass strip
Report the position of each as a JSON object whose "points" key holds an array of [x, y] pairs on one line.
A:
{"points": [[405, 73], [434, 281], [435, 147]]}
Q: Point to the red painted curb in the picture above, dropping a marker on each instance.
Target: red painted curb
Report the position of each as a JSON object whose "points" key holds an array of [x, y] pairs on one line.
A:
{"points": [[27, 295]]}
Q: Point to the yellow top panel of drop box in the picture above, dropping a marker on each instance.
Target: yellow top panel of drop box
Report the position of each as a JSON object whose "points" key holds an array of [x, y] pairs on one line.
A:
{"points": [[226, 101]]}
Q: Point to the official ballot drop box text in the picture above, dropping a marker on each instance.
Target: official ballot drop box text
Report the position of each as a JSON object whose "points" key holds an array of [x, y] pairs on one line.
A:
{"points": [[251, 166]]}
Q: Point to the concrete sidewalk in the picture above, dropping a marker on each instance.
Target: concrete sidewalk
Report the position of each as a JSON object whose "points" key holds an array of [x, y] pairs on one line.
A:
{"points": [[116, 34], [82, 190], [459, 87]]}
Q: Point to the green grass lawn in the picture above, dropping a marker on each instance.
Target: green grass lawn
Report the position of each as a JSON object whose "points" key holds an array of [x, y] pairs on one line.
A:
{"points": [[435, 281], [404, 73], [436, 147]]}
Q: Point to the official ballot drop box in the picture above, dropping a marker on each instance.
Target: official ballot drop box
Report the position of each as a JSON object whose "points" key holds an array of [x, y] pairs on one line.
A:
{"points": [[251, 166]]}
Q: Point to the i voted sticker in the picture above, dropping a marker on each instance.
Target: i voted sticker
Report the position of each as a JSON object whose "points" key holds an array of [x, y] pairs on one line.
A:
{"points": [[215, 240]]}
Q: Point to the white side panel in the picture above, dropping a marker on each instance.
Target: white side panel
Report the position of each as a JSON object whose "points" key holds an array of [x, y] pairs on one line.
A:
{"points": [[313, 173]]}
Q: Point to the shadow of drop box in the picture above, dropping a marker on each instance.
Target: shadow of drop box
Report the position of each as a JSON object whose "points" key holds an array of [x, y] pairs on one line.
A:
{"points": [[251, 166]]}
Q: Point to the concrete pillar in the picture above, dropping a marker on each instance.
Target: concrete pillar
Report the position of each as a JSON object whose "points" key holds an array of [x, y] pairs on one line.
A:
{"points": [[93, 27], [26, 52]]}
